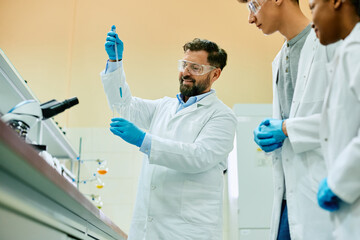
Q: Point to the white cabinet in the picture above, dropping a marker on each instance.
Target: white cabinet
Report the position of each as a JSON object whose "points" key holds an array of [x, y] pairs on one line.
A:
{"points": [[38, 203], [249, 177]]}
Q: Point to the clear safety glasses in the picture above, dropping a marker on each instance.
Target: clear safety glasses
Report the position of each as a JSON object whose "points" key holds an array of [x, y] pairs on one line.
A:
{"points": [[254, 6], [194, 68]]}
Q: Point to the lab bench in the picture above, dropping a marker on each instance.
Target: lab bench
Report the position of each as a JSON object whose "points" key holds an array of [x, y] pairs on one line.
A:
{"points": [[36, 202]]}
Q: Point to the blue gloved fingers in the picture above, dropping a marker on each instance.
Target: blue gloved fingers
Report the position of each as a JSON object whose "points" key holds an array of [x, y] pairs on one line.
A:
{"points": [[272, 147], [266, 142], [116, 131], [111, 40], [269, 148], [119, 120], [259, 134], [122, 126], [265, 122], [108, 45], [119, 129], [113, 28], [264, 135], [256, 140], [331, 205], [128, 131], [111, 36], [326, 198]]}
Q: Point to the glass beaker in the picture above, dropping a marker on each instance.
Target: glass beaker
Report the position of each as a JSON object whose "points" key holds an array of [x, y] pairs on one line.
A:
{"points": [[116, 108], [99, 184], [102, 169]]}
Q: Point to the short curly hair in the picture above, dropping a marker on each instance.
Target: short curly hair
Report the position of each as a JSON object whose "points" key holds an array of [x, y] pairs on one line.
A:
{"points": [[217, 57], [245, 1]]}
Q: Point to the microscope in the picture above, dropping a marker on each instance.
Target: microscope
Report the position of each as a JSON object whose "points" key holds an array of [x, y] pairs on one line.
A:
{"points": [[25, 115]]}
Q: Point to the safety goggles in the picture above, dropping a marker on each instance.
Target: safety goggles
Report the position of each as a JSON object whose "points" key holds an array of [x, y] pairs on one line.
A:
{"points": [[194, 68], [254, 6]]}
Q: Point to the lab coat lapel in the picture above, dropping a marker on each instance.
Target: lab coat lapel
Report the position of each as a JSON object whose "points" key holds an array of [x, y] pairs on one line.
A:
{"points": [[205, 101], [275, 76], [306, 59]]}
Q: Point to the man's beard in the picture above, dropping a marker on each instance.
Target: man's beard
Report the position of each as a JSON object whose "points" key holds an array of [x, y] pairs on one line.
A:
{"points": [[195, 89]]}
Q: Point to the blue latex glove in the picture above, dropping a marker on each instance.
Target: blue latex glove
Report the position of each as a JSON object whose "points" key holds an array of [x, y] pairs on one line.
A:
{"points": [[127, 131], [265, 140], [274, 127], [269, 135], [326, 198], [110, 45]]}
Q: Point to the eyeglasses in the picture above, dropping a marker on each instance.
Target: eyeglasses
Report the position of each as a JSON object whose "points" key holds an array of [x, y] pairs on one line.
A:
{"points": [[254, 6], [194, 68]]}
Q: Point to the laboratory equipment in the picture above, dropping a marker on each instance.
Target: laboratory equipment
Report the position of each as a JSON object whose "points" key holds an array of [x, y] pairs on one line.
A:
{"points": [[194, 68], [97, 200], [113, 28], [99, 183], [254, 6], [28, 113], [114, 46], [102, 169], [116, 108]]}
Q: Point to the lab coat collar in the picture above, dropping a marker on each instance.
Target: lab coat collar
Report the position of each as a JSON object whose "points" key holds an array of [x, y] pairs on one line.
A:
{"points": [[208, 100]]}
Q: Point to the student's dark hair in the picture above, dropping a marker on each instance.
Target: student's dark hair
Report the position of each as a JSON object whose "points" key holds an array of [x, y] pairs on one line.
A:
{"points": [[356, 4], [216, 56], [245, 1]]}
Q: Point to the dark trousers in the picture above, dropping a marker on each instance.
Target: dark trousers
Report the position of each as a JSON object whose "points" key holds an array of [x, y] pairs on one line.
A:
{"points": [[284, 233]]}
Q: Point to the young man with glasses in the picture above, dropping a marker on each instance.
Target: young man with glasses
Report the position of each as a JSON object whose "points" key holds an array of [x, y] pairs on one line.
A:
{"points": [[299, 85], [185, 149]]}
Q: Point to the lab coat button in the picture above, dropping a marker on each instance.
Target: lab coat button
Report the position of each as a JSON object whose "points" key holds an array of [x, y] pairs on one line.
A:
{"points": [[153, 187], [325, 139], [150, 219]]}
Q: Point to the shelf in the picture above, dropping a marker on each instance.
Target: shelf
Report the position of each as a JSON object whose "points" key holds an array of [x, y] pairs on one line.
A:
{"points": [[13, 90]]}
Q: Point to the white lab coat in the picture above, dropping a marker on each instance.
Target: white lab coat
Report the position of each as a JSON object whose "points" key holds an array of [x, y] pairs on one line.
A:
{"points": [[299, 163], [181, 184], [340, 135]]}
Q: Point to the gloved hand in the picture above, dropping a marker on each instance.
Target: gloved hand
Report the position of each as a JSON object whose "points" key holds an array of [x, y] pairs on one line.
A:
{"points": [[110, 44], [265, 140], [127, 131], [269, 134], [326, 198]]}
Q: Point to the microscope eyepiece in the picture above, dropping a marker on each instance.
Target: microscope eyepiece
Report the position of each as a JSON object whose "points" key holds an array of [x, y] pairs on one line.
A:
{"points": [[53, 107]]}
